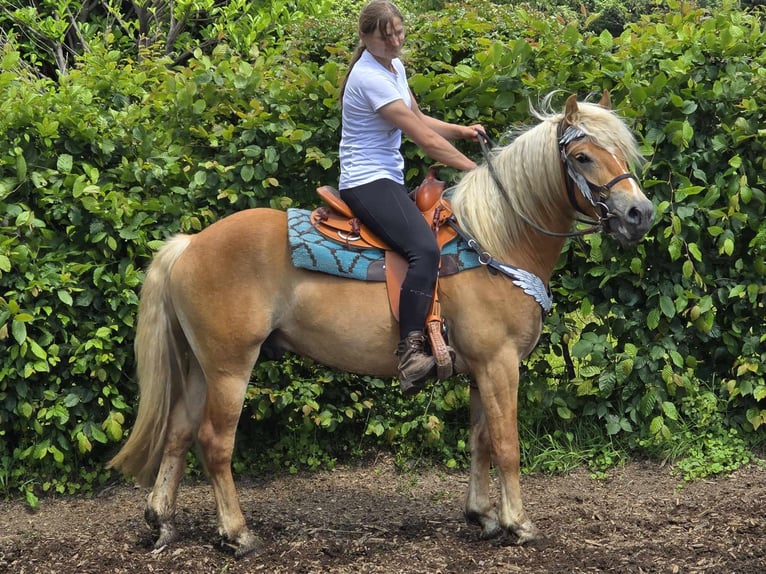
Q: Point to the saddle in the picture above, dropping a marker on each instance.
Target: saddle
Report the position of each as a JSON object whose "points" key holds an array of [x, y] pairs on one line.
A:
{"points": [[336, 222]]}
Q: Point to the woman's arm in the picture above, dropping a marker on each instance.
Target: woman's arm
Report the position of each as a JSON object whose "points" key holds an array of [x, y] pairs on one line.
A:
{"points": [[430, 134], [445, 129]]}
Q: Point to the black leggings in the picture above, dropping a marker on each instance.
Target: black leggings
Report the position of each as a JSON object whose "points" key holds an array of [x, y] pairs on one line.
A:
{"points": [[386, 208]]}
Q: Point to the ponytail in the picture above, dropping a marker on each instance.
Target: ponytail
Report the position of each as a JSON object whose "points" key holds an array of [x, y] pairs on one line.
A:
{"points": [[354, 59]]}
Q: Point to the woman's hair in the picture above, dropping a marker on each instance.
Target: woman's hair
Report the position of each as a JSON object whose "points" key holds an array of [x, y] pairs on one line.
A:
{"points": [[376, 15]]}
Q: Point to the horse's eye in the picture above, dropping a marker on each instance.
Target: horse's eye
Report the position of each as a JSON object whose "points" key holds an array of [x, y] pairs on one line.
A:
{"points": [[582, 158]]}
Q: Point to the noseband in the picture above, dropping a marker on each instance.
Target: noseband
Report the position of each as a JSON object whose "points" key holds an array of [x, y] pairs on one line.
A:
{"points": [[589, 190]]}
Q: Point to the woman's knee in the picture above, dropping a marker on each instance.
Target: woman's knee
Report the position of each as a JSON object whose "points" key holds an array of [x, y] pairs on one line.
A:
{"points": [[429, 254]]}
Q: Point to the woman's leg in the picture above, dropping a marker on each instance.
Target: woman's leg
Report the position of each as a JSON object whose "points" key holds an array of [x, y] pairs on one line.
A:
{"points": [[387, 210], [385, 207]]}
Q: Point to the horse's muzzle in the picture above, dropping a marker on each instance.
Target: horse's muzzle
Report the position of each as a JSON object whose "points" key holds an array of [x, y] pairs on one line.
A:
{"points": [[630, 217]]}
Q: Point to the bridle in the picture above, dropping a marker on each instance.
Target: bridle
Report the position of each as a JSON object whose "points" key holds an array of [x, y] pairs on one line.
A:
{"points": [[572, 178], [530, 283]]}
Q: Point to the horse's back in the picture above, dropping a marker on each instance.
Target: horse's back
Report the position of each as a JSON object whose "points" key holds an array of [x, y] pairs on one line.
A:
{"points": [[236, 286], [243, 232]]}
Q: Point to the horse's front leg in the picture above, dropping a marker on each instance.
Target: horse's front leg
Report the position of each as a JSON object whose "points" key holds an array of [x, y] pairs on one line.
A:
{"points": [[498, 385], [478, 505]]}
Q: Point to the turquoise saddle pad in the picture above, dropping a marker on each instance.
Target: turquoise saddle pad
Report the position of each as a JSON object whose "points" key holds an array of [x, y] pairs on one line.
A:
{"points": [[311, 250]]}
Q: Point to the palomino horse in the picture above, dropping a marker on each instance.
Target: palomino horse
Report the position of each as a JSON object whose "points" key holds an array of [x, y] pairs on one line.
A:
{"points": [[211, 302]]}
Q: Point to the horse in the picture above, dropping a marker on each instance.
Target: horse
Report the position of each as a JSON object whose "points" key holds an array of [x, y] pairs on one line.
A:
{"points": [[212, 302]]}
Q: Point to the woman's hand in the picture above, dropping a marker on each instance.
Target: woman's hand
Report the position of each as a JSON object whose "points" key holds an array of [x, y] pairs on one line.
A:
{"points": [[472, 132]]}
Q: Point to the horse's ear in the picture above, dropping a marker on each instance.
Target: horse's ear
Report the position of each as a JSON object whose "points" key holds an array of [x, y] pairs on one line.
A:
{"points": [[570, 111], [606, 100]]}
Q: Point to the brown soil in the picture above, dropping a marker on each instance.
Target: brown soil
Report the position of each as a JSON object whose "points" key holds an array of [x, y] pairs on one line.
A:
{"points": [[372, 518]]}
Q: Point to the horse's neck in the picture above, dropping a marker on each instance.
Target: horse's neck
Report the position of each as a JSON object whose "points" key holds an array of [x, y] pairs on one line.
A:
{"points": [[537, 253]]}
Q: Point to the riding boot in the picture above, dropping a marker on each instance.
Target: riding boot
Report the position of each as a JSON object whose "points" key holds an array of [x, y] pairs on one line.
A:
{"points": [[415, 364]]}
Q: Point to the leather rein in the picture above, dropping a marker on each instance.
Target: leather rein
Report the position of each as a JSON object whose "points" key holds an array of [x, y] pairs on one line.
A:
{"points": [[572, 178]]}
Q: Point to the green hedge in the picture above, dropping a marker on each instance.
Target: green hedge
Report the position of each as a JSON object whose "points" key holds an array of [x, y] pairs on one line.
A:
{"points": [[659, 345]]}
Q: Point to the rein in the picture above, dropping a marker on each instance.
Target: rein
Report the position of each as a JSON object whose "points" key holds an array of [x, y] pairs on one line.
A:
{"points": [[572, 178]]}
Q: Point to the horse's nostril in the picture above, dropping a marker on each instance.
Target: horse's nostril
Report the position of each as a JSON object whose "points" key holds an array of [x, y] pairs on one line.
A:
{"points": [[640, 214], [634, 215]]}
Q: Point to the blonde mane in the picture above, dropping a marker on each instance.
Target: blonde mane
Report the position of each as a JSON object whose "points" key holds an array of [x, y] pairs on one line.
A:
{"points": [[531, 173]]}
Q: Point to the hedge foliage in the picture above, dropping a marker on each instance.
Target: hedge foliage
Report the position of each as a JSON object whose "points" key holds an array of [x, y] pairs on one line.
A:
{"points": [[658, 344]]}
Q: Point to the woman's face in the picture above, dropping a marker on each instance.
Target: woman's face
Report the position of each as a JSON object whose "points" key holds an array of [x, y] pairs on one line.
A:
{"points": [[386, 46]]}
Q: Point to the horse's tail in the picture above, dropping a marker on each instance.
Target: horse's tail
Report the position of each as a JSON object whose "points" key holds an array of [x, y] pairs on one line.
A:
{"points": [[159, 350]]}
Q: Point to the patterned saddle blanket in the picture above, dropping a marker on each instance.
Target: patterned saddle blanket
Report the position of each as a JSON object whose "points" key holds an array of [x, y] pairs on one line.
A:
{"points": [[311, 250]]}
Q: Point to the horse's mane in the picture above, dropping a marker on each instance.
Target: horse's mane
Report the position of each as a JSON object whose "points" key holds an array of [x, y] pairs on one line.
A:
{"points": [[531, 172]]}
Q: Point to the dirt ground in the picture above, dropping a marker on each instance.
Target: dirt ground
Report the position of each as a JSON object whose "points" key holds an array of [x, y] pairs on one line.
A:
{"points": [[372, 518]]}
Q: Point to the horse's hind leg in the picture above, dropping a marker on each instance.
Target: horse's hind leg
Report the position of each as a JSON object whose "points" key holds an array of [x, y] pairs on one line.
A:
{"points": [[183, 423], [478, 506], [226, 394]]}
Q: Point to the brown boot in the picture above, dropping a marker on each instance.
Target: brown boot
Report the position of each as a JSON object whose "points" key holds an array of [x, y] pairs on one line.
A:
{"points": [[415, 364]]}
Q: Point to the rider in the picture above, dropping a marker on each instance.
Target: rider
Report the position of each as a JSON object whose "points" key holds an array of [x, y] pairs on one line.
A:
{"points": [[377, 107]]}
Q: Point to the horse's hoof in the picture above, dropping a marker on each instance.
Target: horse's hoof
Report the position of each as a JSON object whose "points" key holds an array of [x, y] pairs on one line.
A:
{"points": [[490, 527], [490, 531], [246, 543], [527, 533], [168, 535]]}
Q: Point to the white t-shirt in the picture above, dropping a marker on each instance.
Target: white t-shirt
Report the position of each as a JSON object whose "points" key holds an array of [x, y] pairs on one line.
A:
{"points": [[369, 145]]}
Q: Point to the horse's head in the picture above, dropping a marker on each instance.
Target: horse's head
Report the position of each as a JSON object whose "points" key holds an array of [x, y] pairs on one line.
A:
{"points": [[597, 149]]}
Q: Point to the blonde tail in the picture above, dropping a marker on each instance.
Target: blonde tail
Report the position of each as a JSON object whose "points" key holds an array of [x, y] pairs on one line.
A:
{"points": [[159, 348]]}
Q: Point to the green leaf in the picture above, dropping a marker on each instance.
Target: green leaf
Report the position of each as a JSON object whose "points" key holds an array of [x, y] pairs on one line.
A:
{"points": [[19, 330], [695, 251], [31, 499], [65, 297], [687, 269], [653, 319], [71, 400], [677, 358], [463, 71], [25, 410], [83, 443], [504, 100], [113, 429], [58, 456], [625, 368], [64, 163], [667, 306], [755, 417], [675, 247], [376, 428], [670, 410], [37, 350], [589, 371], [103, 332], [613, 427], [98, 435], [655, 427], [246, 173], [21, 167]]}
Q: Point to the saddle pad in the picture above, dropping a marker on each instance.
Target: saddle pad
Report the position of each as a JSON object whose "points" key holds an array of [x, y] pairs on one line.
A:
{"points": [[311, 250]]}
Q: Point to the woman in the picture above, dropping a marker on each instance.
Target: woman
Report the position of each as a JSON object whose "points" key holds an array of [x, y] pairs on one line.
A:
{"points": [[377, 107]]}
